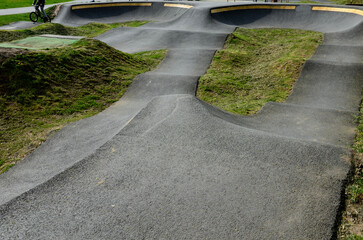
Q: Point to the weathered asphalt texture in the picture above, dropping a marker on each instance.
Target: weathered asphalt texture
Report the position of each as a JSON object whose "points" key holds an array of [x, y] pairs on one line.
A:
{"points": [[161, 164]]}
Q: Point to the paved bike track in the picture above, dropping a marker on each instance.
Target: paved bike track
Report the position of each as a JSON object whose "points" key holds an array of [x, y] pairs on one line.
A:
{"points": [[162, 164]]}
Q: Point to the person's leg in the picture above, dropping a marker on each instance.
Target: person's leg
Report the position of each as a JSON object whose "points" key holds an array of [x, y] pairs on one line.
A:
{"points": [[42, 9], [37, 8]]}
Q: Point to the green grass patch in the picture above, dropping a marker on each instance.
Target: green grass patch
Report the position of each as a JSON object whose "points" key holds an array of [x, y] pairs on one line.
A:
{"points": [[6, 19], [88, 30], [25, 3], [358, 144], [354, 237], [256, 66], [352, 217], [41, 91], [355, 188], [343, 2]]}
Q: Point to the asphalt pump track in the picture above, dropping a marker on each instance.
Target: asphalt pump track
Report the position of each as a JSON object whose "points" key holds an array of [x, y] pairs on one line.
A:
{"points": [[161, 164]]}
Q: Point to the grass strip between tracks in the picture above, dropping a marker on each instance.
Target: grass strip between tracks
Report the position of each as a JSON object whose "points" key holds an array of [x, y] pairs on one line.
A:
{"points": [[256, 66], [88, 30], [351, 227], [41, 91], [261, 65]]}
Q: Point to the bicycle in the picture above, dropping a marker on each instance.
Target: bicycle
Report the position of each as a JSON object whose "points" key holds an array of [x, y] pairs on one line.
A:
{"points": [[34, 16]]}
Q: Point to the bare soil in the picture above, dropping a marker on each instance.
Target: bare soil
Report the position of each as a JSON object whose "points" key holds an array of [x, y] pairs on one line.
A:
{"points": [[6, 53]]}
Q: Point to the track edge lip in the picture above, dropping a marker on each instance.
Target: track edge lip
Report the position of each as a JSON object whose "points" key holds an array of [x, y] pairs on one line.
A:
{"points": [[102, 5], [252, 7], [177, 5], [338, 9]]}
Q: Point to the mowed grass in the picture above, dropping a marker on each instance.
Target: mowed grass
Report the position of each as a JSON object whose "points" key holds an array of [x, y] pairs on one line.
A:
{"points": [[6, 19], [25, 3], [256, 66], [41, 91]]}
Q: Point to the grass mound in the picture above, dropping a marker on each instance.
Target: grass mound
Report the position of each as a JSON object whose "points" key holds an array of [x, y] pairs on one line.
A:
{"points": [[42, 90], [256, 66]]}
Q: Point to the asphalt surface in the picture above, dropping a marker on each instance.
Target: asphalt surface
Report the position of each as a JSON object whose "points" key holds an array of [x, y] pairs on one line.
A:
{"points": [[161, 164]]}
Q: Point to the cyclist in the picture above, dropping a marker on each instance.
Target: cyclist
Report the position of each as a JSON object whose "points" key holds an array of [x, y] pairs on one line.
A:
{"points": [[40, 3]]}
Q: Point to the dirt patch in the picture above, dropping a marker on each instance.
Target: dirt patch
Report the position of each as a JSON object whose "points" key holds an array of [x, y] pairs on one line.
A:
{"points": [[6, 53], [54, 13]]}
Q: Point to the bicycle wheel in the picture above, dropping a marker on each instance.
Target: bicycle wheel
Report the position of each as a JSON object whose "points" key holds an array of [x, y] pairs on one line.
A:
{"points": [[33, 16], [46, 19]]}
